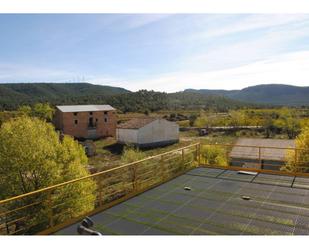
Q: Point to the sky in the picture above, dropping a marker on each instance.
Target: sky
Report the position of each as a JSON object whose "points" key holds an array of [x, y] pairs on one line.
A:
{"points": [[156, 51]]}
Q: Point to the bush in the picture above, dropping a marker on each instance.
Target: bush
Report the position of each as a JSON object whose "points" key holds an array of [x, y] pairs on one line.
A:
{"points": [[213, 155], [301, 164], [131, 154]]}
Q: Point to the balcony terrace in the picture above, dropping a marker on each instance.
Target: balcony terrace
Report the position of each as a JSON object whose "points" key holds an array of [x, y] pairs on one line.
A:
{"points": [[184, 191]]}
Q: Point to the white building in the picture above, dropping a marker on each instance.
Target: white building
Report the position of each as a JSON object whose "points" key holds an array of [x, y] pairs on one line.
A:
{"points": [[147, 132]]}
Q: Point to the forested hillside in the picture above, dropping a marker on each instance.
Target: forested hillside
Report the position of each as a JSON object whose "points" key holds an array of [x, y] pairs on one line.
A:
{"points": [[14, 95], [274, 94]]}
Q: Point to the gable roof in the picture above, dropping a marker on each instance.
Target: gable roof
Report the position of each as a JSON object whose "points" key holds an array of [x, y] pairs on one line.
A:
{"points": [[277, 148], [84, 108], [136, 123]]}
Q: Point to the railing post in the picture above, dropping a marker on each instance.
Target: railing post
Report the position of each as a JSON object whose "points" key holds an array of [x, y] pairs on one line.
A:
{"points": [[295, 159], [199, 155], [134, 167], [162, 167], [227, 156], [260, 160], [100, 191], [50, 209], [182, 155]]}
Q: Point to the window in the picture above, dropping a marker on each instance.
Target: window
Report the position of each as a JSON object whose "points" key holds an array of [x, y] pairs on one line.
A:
{"points": [[90, 113], [76, 121], [91, 124], [105, 120], [75, 113], [105, 113]]}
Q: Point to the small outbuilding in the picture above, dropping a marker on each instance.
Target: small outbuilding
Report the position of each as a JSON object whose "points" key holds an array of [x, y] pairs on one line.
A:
{"points": [[147, 132], [261, 153]]}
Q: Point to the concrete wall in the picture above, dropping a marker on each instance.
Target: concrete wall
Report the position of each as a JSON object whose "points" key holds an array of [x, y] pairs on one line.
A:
{"points": [[159, 130], [105, 124], [127, 136]]}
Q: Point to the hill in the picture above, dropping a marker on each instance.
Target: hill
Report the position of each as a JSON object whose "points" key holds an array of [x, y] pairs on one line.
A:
{"points": [[273, 94], [194, 100], [13, 95]]}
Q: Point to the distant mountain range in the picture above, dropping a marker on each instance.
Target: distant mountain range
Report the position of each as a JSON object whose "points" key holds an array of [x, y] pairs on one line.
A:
{"points": [[16, 94], [272, 94], [12, 95]]}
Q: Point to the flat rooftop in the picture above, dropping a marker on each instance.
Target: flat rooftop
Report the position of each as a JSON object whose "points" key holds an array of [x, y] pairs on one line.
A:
{"points": [[278, 205]]}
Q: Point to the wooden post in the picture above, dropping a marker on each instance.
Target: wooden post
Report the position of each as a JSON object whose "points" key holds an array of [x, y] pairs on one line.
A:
{"points": [[50, 209]]}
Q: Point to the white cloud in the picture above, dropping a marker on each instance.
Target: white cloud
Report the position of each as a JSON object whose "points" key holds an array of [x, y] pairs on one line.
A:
{"points": [[291, 68], [277, 33], [249, 23]]}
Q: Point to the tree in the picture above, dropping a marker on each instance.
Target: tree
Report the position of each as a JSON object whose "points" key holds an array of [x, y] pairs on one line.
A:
{"points": [[39, 110], [32, 157], [5, 116], [25, 110], [43, 111], [288, 123], [269, 126], [298, 160], [192, 119], [238, 118]]}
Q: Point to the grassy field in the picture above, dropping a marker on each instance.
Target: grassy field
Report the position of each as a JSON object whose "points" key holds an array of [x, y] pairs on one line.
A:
{"points": [[108, 152]]}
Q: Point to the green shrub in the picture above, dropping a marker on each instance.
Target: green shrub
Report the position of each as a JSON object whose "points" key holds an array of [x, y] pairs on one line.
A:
{"points": [[131, 154], [213, 155]]}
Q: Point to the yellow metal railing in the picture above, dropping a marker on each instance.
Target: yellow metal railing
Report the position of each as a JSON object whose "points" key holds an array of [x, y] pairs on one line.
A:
{"points": [[278, 160], [49, 209]]}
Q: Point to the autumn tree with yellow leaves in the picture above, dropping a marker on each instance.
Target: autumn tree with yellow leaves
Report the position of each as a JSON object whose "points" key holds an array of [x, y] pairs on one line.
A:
{"points": [[33, 157]]}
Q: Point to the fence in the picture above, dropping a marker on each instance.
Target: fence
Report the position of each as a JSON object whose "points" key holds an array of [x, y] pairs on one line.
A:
{"points": [[257, 158], [49, 209]]}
